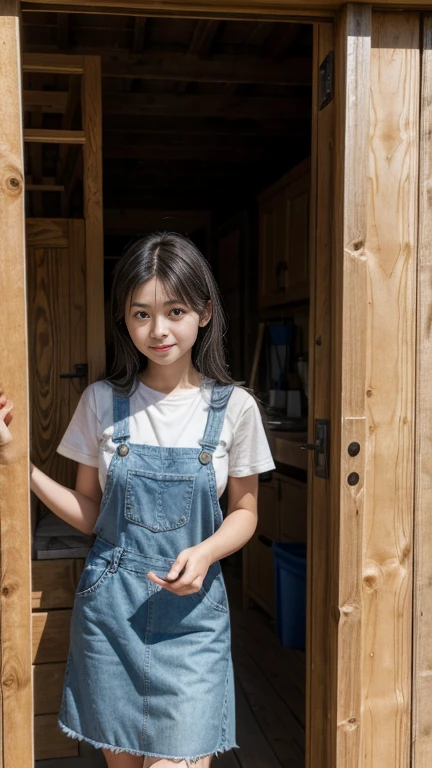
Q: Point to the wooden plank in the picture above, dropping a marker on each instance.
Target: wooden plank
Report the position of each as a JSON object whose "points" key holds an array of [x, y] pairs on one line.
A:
{"points": [[304, 9], [390, 373], [58, 63], [349, 312], [78, 313], [218, 69], [51, 233], [422, 631], [54, 582], [50, 636], [48, 687], [202, 105], [53, 136], [51, 101], [44, 188], [16, 733], [93, 215], [320, 690], [50, 741]]}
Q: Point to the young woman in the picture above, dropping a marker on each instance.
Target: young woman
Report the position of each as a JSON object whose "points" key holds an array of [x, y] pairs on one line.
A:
{"points": [[149, 676]]}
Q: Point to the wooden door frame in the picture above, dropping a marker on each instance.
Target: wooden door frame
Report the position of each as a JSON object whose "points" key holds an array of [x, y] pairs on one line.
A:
{"points": [[346, 712]]}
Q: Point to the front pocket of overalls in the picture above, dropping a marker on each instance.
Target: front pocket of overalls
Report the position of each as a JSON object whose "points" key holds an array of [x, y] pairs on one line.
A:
{"points": [[213, 592], [158, 501], [94, 573]]}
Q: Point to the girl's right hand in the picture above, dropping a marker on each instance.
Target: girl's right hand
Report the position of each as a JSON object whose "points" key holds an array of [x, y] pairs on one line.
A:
{"points": [[6, 417]]}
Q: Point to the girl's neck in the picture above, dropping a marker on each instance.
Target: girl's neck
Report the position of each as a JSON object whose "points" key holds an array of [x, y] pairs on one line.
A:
{"points": [[163, 379]]}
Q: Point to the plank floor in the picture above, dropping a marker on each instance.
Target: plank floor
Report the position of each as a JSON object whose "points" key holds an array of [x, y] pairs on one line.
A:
{"points": [[270, 695]]}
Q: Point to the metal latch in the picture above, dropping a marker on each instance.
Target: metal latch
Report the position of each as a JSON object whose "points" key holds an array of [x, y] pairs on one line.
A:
{"points": [[325, 81], [321, 446]]}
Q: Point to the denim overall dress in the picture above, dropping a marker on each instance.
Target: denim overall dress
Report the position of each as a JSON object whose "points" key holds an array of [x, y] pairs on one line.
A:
{"points": [[150, 672]]}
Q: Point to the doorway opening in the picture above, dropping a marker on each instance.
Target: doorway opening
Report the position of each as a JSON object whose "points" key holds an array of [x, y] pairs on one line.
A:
{"points": [[206, 128]]}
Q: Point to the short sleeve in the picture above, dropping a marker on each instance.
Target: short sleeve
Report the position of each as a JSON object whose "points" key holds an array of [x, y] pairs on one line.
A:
{"points": [[80, 441], [250, 451]]}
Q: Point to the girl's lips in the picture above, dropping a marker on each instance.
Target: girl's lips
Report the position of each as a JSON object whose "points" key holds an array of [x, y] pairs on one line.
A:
{"points": [[162, 349]]}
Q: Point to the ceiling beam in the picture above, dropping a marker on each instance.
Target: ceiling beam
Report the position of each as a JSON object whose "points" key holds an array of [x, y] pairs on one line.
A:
{"points": [[202, 105]]}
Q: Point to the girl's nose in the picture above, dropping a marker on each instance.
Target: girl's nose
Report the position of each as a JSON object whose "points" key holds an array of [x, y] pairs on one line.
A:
{"points": [[159, 328]]}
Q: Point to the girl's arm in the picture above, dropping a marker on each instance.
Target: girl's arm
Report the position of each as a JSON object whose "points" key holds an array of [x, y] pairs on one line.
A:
{"points": [[79, 508], [240, 522]]}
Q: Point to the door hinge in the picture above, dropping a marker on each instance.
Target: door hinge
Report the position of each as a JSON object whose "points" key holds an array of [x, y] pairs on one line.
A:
{"points": [[321, 446], [325, 81]]}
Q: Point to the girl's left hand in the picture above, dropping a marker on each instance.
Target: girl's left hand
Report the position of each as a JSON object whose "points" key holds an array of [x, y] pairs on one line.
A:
{"points": [[195, 564]]}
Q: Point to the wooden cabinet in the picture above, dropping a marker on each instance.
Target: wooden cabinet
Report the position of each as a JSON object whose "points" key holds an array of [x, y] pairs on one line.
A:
{"points": [[284, 238], [281, 517], [54, 583]]}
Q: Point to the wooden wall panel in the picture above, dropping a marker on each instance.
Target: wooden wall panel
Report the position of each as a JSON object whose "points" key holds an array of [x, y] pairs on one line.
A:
{"points": [[390, 377], [349, 311], [375, 280], [422, 634], [16, 730]]}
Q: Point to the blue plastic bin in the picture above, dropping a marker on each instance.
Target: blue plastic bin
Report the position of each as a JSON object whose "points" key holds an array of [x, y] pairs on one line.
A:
{"points": [[290, 582]]}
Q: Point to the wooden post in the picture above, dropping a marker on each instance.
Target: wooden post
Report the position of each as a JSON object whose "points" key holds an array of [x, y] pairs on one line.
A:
{"points": [[15, 620], [320, 669], [93, 215], [375, 280], [422, 634]]}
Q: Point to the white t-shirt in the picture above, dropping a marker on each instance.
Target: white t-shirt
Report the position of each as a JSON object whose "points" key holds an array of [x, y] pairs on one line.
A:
{"points": [[174, 420]]}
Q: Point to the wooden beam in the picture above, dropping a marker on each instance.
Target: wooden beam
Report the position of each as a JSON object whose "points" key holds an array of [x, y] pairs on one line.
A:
{"points": [[173, 105], [50, 101], [321, 587], [16, 732], [349, 318], [422, 631], [223, 69], [93, 215], [58, 63], [241, 9], [44, 188], [51, 136]]}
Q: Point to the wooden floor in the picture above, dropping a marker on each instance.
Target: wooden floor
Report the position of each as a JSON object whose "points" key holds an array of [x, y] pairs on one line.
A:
{"points": [[270, 695]]}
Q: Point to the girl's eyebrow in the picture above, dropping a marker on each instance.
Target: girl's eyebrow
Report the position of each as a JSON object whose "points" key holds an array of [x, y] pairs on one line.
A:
{"points": [[166, 303]]}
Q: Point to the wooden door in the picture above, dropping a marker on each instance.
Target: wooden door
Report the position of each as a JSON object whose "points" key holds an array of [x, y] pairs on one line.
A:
{"points": [[56, 295]]}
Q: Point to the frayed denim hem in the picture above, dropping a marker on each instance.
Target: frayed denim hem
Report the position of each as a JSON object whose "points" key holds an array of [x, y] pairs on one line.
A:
{"points": [[138, 753]]}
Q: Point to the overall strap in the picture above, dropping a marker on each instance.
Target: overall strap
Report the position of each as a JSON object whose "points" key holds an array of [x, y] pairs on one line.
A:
{"points": [[121, 418], [217, 408]]}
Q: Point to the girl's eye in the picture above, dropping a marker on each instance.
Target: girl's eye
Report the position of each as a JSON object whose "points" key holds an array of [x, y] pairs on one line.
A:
{"points": [[138, 314], [177, 309]]}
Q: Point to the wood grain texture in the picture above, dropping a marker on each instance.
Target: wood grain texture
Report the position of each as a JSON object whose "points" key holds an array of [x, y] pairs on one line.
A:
{"points": [[50, 741], [320, 687], [349, 308], [422, 633], [16, 732], [390, 374], [54, 582], [48, 687], [50, 636], [93, 216]]}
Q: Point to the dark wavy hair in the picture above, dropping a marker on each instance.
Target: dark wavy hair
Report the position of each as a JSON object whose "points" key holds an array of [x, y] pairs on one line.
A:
{"points": [[186, 276]]}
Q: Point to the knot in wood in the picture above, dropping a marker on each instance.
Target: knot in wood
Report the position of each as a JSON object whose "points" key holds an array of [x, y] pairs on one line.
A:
{"points": [[12, 180], [372, 578], [5, 591]]}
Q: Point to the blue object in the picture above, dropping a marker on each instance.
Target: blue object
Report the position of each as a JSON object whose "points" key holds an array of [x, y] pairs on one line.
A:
{"points": [[280, 335], [290, 581]]}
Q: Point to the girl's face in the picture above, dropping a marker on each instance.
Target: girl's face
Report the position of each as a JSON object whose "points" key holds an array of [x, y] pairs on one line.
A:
{"points": [[161, 329]]}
